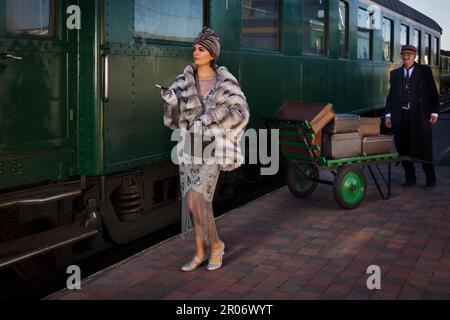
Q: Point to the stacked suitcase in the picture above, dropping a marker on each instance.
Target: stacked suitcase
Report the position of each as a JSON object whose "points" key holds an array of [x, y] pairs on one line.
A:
{"points": [[341, 138], [349, 136], [373, 142]]}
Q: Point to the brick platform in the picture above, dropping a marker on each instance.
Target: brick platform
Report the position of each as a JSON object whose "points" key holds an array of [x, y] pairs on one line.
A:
{"points": [[282, 247]]}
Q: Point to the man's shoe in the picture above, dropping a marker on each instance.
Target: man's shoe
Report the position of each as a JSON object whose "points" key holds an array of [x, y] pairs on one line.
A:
{"points": [[409, 184], [430, 186]]}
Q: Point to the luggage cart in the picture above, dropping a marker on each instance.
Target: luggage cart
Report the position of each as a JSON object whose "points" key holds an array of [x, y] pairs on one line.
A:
{"points": [[299, 145]]}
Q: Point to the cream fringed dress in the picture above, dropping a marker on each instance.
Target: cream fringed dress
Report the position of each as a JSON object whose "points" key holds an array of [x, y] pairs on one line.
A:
{"points": [[200, 179]]}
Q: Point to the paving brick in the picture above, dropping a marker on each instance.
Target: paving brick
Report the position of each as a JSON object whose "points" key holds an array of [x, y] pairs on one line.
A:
{"points": [[355, 295], [315, 288], [264, 289], [435, 296], [177, 296], [410, 292], [339, 289], [332, 296], [280, 295], [304, 295]]}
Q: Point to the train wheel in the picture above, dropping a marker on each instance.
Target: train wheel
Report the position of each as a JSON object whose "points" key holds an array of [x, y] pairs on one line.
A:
{"points": [[42, 269], [299, 180], [349, 188]]}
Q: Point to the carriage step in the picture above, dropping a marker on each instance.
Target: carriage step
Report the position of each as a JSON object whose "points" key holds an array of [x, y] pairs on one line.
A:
{"points": [[39, 197], [44, 242]]}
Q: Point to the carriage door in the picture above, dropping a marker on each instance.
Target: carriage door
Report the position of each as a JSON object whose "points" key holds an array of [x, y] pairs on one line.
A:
{"points": [[34, 115]]}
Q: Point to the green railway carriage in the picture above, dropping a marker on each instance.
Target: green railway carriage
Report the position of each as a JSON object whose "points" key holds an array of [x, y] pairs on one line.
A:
{"points": [[82, 141], [445, 73]]}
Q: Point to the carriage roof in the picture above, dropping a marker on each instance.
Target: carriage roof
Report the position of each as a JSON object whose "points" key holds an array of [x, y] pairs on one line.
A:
{"points": [[407, 11]]}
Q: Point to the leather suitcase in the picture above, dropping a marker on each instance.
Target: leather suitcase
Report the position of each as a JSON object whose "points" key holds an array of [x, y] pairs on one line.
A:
{"points": [[344, 123], [378, 145], [342, 145], [318, 115], [369, 127]]}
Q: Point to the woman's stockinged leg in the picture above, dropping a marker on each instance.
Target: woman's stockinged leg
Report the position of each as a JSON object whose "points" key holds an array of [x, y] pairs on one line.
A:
{"points": [[203, 220], [205, 229], [200, 243]]}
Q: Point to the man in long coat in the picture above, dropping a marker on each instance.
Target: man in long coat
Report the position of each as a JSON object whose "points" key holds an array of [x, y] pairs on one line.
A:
{"points": [[412, 107]]}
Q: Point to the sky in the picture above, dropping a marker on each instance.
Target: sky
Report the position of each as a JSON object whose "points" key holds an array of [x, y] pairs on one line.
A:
{"points": [[439, 11]]}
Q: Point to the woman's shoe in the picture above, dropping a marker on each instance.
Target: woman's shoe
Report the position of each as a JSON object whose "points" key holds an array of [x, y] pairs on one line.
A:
{"points": [[194, 264], [214, 265]]}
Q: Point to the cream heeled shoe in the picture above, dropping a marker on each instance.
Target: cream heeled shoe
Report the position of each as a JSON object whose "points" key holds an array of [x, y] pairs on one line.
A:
{"points": [[193, 264], [216, 254]]}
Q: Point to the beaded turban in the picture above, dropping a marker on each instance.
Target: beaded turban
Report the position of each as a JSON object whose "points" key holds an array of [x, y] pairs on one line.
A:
{"points": [[208, 39]]}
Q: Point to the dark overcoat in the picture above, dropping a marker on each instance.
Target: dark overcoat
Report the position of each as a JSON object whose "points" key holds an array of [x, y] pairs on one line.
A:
{"points": [[424, 101]]}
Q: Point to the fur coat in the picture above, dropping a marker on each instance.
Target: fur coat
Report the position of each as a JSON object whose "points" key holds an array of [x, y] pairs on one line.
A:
{"points": [[227, 113]]}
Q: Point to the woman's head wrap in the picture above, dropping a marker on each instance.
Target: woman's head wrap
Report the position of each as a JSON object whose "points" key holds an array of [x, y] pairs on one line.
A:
{"points": [[208, 39]]}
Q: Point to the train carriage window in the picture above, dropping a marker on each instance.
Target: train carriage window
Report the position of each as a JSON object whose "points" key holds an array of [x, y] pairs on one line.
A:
{"points": [[31, 17], [314, 26], [436, 50], [416, 43], [343, 29], [404, 35], [364, 35], [261, 24], [387, 40], [171, 20], [427, 56]]}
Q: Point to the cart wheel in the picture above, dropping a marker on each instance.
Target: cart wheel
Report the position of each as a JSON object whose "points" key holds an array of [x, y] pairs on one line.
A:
{"points": [[349, 188], [298, 180]]}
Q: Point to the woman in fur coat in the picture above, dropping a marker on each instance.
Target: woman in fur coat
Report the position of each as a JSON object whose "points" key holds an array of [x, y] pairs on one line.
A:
{"points": [[210, 97]]}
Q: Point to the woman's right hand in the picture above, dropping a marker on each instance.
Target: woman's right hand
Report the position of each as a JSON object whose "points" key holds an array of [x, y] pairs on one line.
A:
{"points": [[169, 97]]}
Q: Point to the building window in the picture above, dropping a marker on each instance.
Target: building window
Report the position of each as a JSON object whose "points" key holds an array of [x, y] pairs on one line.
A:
{"points": [[171, 20], [416, 43], [261, 24], [436, 51], [343, 29], [364, 35], [443, 65], [30, 17], [314, 26], [427, 56], [387, 39], [404, 35]]}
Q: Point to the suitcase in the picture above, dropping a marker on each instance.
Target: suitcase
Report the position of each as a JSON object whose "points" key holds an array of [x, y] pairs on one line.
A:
{"points": [[378, 145], [369, 127], [318, 115], [342, 145], [344, 123]]}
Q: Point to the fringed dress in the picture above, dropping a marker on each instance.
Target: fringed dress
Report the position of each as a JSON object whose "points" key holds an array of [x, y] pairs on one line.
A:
{"points": [[201, 179]]}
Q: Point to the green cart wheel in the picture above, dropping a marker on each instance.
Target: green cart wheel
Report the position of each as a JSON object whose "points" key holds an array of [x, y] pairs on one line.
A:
{"points": [[298, 180], [349, 188]]}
